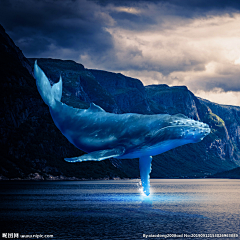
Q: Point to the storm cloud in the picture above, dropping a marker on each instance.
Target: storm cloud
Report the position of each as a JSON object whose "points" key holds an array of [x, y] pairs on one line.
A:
{"points": [[193, 43], [61, 29]]}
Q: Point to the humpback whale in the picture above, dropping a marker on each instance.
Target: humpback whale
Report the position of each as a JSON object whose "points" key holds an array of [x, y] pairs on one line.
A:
{"points": [[105, 135]]}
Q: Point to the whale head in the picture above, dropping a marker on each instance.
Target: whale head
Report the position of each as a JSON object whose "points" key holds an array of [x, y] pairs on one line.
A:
{"points": [[168, 132], [188, 129]]}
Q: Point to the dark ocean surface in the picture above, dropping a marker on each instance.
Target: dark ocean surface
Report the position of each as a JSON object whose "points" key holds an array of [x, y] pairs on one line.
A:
{"points": [[118, 209]]}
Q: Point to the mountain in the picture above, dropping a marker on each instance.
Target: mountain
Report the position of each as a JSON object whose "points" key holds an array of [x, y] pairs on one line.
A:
{"points": [[234, 173], [33, 148], [217, 152]]}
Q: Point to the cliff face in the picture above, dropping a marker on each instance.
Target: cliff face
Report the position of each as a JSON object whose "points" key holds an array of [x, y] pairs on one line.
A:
{"points": [[33, 148], [172, 100], [231, 122], [129, 93]]}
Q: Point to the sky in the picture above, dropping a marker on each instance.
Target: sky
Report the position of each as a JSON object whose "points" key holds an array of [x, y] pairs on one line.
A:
{"points": [[195, 43]]}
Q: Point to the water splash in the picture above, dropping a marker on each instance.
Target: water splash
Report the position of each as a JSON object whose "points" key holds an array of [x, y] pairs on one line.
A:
{"points": [[145, 167]]}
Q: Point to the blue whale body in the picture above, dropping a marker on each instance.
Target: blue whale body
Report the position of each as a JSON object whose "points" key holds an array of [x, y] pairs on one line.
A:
{"points": [[123, 136]]}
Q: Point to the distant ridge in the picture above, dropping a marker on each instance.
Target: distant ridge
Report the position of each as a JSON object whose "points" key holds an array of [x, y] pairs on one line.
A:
{"points": [[231, 174]]}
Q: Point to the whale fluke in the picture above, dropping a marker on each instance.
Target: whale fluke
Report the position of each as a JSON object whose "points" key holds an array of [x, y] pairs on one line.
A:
{"points": [[49, 94], [57, 90]]}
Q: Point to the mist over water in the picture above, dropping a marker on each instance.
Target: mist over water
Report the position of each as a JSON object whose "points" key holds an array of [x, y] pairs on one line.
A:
{"points": [[118, 209]]}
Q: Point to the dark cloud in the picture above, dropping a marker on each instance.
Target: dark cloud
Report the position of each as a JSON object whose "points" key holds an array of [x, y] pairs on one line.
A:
{"points": [[161, 41], [37, 27], [133, 21], [223, 83], [188, 9], [193, 4]]}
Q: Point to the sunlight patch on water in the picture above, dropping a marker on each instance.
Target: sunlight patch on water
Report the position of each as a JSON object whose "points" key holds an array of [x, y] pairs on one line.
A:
{"points": [[136, 198]]}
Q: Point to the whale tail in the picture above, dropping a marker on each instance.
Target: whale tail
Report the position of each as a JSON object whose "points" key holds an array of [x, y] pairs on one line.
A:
{"points": [[49, 94]]}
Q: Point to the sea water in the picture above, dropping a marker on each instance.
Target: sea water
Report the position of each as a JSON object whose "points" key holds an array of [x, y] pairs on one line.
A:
{"points": [[175, 209]]}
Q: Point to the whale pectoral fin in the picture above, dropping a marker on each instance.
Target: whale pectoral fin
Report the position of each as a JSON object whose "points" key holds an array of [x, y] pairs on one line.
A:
{"points": [[98, 155]]}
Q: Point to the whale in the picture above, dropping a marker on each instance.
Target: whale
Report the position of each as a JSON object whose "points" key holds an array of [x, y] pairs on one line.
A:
{"points": [[103, 135]]}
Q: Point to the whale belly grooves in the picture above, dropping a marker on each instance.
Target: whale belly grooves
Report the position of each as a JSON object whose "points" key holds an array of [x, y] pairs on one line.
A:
{"points": [[155, 149]]}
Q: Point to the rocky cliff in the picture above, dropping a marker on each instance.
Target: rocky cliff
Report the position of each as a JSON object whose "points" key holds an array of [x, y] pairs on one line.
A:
{"points": [[129, 93], [33, 148]]}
